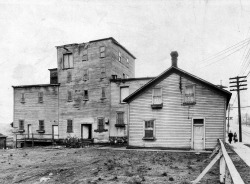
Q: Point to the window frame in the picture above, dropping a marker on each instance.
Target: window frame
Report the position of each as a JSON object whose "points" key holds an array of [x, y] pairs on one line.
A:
{"points": [[69, 77], [119, 56], [121, 100], [102, 50], [40, 97], [85, 55], [99, 125], [153, 129], [68, 60], [103, 92], [69, 96], [69, 128], [185, 101], [103, 72], [86, 74], [22, 97], [21, 125], [84, 95], [156, 105], [41, 125]]}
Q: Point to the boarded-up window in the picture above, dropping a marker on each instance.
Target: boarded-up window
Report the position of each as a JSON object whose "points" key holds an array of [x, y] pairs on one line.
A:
{"points": [[69, 77], [100, 124], [189, 97], [40, 97], [149, 129], [69, 126], [41, 124], [124, 93], [68, 61], [85, 95], [157, 96], [85, 55], [85, 74], [22, 98], [102, 51], [103, 93], [69, 96], [21, 124], [120, 118], [119, 56]]}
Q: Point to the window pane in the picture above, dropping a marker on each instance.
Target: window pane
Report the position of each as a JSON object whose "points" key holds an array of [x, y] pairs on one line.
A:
{"points": [[157, 91], [149, 133], [124, 93], [65, 61], [120, 118], [101, 124], [70, 60]]}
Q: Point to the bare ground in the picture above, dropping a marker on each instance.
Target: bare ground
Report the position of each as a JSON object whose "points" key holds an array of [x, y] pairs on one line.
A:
{"points": [[92, 165]]}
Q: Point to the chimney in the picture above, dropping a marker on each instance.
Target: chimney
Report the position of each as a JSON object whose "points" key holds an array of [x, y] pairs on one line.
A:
{"points": [[174, 56]]}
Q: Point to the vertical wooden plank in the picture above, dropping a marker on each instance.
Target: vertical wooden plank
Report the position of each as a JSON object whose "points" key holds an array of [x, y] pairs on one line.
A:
{"points": [[222, 170]]}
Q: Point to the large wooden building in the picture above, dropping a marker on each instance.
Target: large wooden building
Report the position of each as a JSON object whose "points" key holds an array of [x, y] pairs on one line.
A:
{"points": [[177, 110], [84, 97]]}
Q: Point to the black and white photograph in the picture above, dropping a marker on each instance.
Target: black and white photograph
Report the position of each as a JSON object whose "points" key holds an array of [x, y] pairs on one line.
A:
{"points": [[125, 92]]}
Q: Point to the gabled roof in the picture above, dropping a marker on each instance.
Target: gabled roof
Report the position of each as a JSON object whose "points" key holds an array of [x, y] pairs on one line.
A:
{"points": [[170, 71]]}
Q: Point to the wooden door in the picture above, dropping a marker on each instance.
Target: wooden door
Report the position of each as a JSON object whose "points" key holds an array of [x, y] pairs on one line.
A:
{"points": [[86, 131], [55, 132], [29, 131], [198, 134]]}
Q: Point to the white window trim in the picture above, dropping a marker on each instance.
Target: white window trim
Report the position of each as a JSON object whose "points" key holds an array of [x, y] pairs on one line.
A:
{"points": [[153, 95], [154, 131], [193, 91]]}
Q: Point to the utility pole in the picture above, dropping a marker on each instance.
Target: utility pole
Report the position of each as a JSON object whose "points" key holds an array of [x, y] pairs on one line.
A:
{"points": [[238, 80]]}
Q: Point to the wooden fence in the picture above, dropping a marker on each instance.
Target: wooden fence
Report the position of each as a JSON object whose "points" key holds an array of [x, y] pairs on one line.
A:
{"points": [[228, 172]]}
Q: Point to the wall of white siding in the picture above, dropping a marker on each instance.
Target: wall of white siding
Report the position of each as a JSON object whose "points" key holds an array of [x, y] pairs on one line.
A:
{"points": [[173, 125]]}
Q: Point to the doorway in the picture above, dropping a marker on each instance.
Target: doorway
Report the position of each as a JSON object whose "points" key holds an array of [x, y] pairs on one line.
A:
{"points": [[86, 131], [55, 132], [198, 134], [29, 131]]}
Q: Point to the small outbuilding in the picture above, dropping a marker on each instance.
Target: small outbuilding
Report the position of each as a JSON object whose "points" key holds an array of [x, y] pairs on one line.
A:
{"points": [[2, 141], [177, 110]]}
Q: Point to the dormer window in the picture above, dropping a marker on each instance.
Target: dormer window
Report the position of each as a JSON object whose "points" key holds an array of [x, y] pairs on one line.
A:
{"points": [[68, 61]]}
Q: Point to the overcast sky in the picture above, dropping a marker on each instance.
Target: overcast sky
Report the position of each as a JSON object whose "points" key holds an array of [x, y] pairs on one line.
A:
{"points": [[149, 29]]}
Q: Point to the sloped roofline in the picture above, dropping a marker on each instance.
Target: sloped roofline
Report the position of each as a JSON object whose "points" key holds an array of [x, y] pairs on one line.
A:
{"points": [[171, 70]]}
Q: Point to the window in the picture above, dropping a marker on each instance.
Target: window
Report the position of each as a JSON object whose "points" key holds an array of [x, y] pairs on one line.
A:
{"points": [[189, 96], [103, 73], [40, 97], [124, 93], [120, 119], [21, 124], [102, 51], [67, 61], [85, 95], [85, 74], [149, 129], [22, 98], [69, 96], [69, 77], [157, 96], [41, 125], [127, 60], [119, 56], [103, 93], [69, 126], [100, 124], [85, 55]]}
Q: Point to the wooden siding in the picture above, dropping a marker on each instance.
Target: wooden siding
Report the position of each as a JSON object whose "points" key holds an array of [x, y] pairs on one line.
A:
{"points": [[31, 111], [117, 106], [173, 123]]}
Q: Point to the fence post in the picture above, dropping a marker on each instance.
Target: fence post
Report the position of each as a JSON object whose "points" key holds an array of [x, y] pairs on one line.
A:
{"points": [[32, 140], [222, 169]]}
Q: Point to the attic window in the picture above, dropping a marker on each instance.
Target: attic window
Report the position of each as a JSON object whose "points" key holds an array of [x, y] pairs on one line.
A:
{"points": [[157, 98], [189, 95], [85, 55], [68, 61]]}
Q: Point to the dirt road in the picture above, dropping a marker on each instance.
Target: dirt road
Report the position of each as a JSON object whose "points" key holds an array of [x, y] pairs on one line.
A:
{"points": [[91, 165]]}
